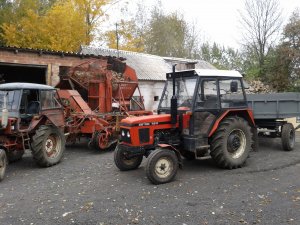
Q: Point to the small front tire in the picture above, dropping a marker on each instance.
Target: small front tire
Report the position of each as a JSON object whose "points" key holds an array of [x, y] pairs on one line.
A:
{"points": [[162, 166], [3, 164], [123, 162]]}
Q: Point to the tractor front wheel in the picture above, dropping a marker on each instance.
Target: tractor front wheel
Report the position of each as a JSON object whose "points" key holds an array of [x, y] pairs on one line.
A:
{"points": [[288, 137], [231, 143], [3, 164], [162, 166], [48, 145], [124, 162]]}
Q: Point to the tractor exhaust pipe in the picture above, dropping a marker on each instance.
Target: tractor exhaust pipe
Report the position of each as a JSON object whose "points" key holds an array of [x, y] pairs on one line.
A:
{"points": [[174, 101]]}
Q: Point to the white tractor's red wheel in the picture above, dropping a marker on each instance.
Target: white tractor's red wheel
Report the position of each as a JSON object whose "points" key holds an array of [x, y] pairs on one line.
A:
{"points": [[3, 164], [48, 145]]}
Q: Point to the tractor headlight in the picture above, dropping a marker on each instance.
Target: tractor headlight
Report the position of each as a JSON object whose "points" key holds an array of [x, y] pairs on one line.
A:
{"points": [[128, 134], [123, 133]]}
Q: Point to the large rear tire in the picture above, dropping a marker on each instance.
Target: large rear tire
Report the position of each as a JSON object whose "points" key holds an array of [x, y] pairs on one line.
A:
{"points": [[162, 166], [15, 155], [48, 145], [3, 164], [231, 143], [288, 137], [123, 162]]}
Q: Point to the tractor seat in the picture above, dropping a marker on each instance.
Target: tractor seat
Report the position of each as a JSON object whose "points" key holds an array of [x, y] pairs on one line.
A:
{"points": [[33, 107]]}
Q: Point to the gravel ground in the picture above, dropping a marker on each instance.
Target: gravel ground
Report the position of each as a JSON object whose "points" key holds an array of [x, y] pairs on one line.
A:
{"points": [[87, 188]]}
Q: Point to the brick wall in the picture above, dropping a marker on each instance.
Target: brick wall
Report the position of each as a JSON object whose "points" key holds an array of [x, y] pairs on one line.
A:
{"points": [[51, 61]]}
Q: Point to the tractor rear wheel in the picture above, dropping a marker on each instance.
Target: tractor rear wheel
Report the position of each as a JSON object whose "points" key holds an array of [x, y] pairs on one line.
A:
{"points": [[123, 162], [231, 143], [48, 145], [288, 137], [15, 155], [3, 164], [162, 166]]}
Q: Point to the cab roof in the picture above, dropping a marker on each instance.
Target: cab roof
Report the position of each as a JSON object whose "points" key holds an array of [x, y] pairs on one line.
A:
{"points": [[18, 86], [207, 73], [218, 73]]}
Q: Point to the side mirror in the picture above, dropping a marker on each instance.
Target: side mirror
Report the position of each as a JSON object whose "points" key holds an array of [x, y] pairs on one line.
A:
{"points": [[234, 86]]}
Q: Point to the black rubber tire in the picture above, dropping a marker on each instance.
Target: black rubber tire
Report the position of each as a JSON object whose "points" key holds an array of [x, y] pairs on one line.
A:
{"points": [[220, 143], [14, 156], [152, 167], [47, 135], [288, 137], [126, 164], [3, 164]]}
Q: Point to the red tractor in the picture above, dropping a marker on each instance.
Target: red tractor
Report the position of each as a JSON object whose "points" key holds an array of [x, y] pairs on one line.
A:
{"points": [[201, 113], [31, 119]]}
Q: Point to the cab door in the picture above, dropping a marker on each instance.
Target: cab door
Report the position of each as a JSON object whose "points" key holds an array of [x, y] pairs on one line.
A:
{"points": [[207, 107], [51, 108]]}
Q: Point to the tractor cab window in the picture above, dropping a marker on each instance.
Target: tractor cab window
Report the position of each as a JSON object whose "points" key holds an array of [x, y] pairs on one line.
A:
{"points": [[207, 96], [184, 90], [30, 102], [9, 100], [231, 93], [49, 99]]}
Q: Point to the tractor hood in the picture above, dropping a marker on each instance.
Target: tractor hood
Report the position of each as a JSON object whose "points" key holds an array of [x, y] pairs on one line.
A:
{"points": [[146, 120]]}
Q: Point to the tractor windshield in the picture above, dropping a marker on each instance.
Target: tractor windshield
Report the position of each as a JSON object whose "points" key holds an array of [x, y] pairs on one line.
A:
{"points": [[184, 90], [9, 100]]}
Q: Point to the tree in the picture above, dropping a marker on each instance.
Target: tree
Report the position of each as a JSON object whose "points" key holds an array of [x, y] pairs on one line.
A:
{"points": [[166, 34], [261, 20], [221, 57], [129, 38], [56, 30], [283, 65], [92, 11]]}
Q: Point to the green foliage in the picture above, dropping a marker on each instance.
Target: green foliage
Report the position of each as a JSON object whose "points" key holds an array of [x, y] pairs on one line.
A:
{"points": [[166, 35], [221, 57], [282, 67]]}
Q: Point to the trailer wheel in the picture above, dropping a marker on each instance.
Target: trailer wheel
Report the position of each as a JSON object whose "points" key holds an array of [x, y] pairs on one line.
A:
{"points": [[162, 166], [3, 164], [48, 145], [15, 155], [123, 162], [231, 143], [288, 137]]}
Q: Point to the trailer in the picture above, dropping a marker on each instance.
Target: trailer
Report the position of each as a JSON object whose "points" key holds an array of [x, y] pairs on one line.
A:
{"points": [[270, 114]]}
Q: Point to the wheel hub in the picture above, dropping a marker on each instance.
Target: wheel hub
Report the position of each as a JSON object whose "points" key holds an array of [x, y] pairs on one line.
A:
{"points": [[236, 143], [163, 167], [51, 146]]}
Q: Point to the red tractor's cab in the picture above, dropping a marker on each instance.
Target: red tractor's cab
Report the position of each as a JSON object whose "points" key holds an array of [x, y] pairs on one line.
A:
{"points": [[31, 118], [201, 112]]}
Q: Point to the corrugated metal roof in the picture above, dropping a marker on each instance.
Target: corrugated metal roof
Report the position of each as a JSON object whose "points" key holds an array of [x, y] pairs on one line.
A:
{"points": [[147, 67]]}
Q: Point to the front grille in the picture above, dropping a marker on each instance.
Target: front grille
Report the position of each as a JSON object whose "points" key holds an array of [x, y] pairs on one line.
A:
{"points": [[144, 135]]}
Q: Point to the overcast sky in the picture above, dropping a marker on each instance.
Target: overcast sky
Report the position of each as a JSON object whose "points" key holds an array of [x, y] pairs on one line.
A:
{"points": [[218, 20]]}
